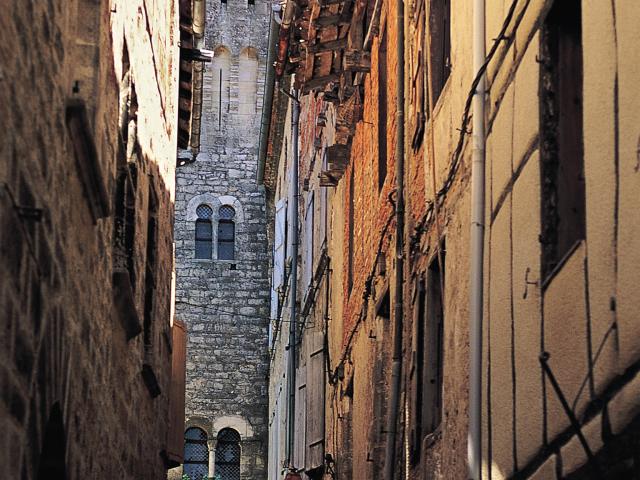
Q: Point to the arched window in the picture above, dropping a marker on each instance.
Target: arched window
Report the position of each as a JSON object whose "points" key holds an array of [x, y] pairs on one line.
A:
{"points": [[247, 81], [228, 455], [221, 67], [226, 233], [196, 454], [204, 232]]}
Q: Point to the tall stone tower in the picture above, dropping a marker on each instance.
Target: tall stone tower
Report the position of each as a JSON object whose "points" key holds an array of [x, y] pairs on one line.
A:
{"points": [[222, 283]]}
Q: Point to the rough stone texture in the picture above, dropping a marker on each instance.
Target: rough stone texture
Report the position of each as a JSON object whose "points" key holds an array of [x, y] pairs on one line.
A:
{"points": [[64, 356], [226, 303]]}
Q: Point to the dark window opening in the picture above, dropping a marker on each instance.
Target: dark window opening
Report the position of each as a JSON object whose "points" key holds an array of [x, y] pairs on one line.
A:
{"points": [[52, 457], [440, 43], [561, 125], [252, 2], [226, 233], [351, 229], [384, 307], [196, 454], [417, 372], [125, 216], [150, 274], [433, 360], [418, 75], [227, 465], [383, 113], [204, 232]]}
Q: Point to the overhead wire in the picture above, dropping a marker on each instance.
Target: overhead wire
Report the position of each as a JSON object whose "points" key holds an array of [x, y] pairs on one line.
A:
{"points": [[427, 217]]}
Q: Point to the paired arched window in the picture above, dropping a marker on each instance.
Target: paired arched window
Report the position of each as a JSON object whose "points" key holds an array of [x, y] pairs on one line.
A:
{"points": [[226, 233], [196, 454], [228, 455], [204, 232]]}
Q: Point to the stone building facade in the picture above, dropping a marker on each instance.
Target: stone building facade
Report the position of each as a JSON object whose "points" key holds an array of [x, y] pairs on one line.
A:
{"points": [[88, 114], [222, 283], [561, 247]]}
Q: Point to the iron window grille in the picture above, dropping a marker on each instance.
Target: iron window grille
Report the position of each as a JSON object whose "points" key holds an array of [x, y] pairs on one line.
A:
{"points": [[226, 233], [196, 454], [204, 232], [228, 455]]}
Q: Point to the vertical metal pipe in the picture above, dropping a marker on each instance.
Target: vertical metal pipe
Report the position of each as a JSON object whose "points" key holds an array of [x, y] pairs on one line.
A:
{"points": [[291, 377], [396, 368], [265, 118], [474, 442]]}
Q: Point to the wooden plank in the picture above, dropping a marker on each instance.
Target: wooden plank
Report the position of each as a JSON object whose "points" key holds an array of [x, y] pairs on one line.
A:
{"points": [[318, 82], [357, 60], [327, 46], [329, 21], [315, 401]]}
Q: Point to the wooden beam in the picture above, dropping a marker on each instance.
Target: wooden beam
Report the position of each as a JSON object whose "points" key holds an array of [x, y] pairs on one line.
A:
{"points": [[357, 61], [318, 82], [329, 21], [338, 44]]}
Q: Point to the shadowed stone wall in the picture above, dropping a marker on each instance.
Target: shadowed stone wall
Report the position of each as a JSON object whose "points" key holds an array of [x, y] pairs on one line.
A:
{"points": [[74, 401]]}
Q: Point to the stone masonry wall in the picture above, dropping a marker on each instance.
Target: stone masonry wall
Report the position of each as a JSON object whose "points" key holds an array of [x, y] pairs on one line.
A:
{"points": [[69, 378], [225, 303]]}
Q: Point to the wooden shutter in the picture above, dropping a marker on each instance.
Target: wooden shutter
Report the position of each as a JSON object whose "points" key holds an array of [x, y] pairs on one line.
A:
{"points": [[416, 372], [277, 278], [175, 440], [308, 242], [300, 417], [315, 402]]}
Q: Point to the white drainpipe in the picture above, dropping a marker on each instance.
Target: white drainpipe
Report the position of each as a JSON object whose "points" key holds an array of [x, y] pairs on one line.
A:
{"points": [[474, 444]]}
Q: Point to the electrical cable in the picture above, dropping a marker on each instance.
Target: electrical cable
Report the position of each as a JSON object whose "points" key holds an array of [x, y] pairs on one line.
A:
{"points": [[425, 221]]}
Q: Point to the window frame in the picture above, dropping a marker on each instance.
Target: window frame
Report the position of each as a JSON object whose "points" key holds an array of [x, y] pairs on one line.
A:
{"points": [[231, 240], [563, 198], [204, 442], [220, 442], [199, 238]]}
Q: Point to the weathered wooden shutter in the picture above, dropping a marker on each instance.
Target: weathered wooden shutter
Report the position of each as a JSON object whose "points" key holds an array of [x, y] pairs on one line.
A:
{"points": [[278, 255], [416, 372], [175, 435], [315, 402], [300, 417], [308, 242]]}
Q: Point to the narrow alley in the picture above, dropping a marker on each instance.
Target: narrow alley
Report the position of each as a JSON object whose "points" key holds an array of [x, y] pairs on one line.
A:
{"points": [[320, 239]]}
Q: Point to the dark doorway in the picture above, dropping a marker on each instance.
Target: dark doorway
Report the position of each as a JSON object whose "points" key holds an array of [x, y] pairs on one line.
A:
{"points": [[52, 457]]}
